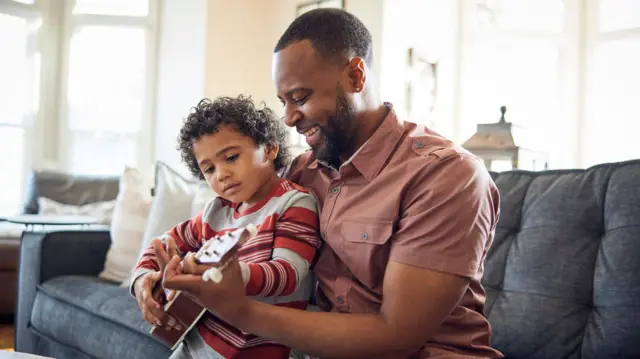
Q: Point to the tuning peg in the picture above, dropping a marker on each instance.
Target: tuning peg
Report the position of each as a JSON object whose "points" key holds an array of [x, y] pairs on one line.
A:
{"points": [[213, 274]]}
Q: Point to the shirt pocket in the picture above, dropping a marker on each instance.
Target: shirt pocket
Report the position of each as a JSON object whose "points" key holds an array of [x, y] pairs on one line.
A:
{"points": [[365, 249]]}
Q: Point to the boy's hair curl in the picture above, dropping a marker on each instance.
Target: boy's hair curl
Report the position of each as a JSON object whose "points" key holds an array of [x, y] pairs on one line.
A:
{"points": [[261, 125]]}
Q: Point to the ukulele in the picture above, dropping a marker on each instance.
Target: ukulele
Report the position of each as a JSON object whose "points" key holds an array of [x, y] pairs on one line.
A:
{"points": [[218, 252]]}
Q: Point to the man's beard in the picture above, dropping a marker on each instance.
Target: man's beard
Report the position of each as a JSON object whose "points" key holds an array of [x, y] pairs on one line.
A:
{"points": [[337, 136]]}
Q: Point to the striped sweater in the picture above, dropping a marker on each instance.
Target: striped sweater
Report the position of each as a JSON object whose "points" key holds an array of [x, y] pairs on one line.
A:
{"points": [[275, 263]]}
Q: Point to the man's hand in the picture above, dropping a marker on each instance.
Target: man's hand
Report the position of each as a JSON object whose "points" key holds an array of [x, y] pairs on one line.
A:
{"points": [[226, 299]]}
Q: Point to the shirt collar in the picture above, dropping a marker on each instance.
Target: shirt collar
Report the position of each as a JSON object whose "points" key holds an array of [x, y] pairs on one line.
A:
{"points": [[374, 153]]}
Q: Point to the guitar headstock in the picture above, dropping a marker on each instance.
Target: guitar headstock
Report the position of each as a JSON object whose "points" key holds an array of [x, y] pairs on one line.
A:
{"points": [[219, 248]]}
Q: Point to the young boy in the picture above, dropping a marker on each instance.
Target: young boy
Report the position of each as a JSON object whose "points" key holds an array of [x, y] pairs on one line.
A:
{"points": [[238, 150]]}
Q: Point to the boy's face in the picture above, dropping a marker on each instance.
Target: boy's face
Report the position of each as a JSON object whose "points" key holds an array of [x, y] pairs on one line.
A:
{"points": [[234, 167]]}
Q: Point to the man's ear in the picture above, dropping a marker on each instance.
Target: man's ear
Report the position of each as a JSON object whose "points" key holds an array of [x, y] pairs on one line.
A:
{"points": [[271, 151], [357, 74]]}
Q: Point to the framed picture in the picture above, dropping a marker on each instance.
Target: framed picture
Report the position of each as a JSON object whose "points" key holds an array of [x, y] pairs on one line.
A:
{"points": [[319, 4], [421, 87]]}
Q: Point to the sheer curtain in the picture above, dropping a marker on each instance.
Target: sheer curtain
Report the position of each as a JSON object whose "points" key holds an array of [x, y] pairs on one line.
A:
{"points": [[108, 91], [19, 71]]}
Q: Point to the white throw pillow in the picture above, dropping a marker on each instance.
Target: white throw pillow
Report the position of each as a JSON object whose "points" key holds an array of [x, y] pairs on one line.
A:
{"points": [[101, 211], [127, 226], [172, 203]]}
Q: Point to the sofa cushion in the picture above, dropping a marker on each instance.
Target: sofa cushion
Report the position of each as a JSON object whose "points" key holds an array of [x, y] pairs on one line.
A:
{"points": [[563, 275], [100, 319], [68, 189]]}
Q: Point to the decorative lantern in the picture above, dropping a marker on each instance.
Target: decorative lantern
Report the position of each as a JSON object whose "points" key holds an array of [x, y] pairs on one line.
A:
{"points": [[502, 146]]}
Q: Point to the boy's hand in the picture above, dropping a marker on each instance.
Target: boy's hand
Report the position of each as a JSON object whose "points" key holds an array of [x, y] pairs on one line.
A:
{"points": [[226, 299], [163, 256], [152, 310]]}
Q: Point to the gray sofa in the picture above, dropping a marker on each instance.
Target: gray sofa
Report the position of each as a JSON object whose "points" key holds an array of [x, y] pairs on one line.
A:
{"points": [[562, 277], [64, 188]]}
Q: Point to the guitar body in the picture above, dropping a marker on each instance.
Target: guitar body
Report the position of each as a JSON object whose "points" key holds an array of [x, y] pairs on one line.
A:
{"points": [[187, 312], [217, 251]]}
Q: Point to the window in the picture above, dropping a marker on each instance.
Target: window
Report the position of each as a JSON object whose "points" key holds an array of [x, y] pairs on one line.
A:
{"points": [[566, 70], [19, 71], [513, 55], [611, 116], [108, 85]]}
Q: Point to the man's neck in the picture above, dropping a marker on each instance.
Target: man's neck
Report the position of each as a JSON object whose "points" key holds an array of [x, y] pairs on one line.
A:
{"points": [[368, 122]]}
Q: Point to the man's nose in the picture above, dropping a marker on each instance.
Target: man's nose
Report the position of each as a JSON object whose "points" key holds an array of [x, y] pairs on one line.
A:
{"points": [[291, 116]]}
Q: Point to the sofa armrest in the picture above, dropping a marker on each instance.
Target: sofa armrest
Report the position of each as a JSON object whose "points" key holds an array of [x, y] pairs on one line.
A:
{"points": [[48, 254]]}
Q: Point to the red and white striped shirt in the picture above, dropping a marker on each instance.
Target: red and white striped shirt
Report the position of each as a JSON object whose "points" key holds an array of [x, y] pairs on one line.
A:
{"points": [[275, 263]]}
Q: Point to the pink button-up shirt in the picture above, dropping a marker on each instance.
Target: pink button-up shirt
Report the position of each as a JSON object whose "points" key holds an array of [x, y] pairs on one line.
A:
{"points": [[407, 195]]}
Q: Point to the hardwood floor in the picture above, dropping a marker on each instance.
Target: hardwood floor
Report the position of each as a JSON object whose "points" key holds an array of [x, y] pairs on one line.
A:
{"points": [[6, 336]]}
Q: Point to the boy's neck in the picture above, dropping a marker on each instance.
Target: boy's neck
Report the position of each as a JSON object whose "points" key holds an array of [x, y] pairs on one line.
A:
{"points": [[261, 194]]}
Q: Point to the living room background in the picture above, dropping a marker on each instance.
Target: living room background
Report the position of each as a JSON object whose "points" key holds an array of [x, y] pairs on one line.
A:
{"points": [[89, 86]]}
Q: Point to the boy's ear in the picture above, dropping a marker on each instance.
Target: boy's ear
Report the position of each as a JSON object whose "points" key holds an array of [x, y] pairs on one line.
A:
{"points": [[271, 151]]}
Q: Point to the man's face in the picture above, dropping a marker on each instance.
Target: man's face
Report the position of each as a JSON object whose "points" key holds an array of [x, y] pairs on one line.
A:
{"points": [[233, 165], [313, 92]]}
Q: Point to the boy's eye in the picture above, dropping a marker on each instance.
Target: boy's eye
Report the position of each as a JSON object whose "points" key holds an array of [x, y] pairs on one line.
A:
{"points": [[209, 169], [232, 158]]}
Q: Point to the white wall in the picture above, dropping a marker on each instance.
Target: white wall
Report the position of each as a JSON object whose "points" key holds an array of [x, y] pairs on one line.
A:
{"points": [[241, 35], [181, 73]]}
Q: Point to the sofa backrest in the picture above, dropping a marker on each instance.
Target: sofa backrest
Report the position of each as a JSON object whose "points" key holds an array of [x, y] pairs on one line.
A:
{"points": [[563, 274], [68, 189]]}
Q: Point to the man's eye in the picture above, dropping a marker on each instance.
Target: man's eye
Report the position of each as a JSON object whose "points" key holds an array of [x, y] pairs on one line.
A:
{"points": [[301, 101], [232, 158]]}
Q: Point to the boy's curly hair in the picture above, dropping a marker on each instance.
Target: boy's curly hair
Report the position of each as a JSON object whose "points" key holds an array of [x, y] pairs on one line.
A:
{"points": [[261, 125]]}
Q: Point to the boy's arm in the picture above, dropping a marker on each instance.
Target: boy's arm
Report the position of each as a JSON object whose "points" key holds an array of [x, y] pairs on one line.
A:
{"points": [[186, 236], [295, 245]]}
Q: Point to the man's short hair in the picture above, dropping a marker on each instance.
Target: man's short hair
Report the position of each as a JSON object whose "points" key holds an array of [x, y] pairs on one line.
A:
{"points": [[333, 33]]}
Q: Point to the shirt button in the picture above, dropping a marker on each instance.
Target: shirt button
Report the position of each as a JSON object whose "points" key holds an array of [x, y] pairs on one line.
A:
{"points": [[420, 144], [335, 189], [365, 236], [340, 299]]}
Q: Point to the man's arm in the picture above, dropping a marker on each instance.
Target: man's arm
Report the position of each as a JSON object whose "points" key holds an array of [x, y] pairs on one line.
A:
{"points": [[400, 330]]}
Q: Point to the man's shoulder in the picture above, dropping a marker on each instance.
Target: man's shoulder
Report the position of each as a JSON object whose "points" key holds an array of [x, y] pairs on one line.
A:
{"points": [[426, 154], [429, 148]]}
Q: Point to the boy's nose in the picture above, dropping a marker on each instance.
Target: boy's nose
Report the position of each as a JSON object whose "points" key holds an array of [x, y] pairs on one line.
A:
{"points": [[222, 175]]}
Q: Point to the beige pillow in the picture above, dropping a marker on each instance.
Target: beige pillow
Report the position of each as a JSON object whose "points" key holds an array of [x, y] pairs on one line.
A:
{"points": [[130, 215], [172, 202], [101, 211], [176, 199]]}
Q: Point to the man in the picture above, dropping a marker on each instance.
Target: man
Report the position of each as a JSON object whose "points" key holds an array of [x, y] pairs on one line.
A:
{"points": [[407, 216]]}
